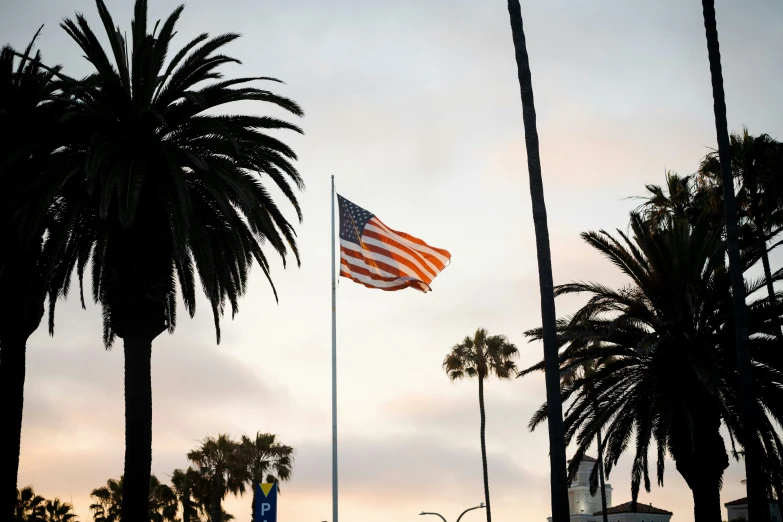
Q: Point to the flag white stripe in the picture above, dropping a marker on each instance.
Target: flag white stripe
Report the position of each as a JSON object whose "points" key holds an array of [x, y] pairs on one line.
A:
{"points": [[428, 265], [380, 258], [391, 248], [380, 284], [362, 264], [378, 226]]}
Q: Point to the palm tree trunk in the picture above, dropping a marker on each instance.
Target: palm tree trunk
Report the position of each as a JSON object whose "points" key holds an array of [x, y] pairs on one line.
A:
{"points": [[557, 450], [601, 477], [12, 375], [186, 507], [216, 507], [253, 507], [756, 494], [484, 446], [706, 500], [138, 428]]}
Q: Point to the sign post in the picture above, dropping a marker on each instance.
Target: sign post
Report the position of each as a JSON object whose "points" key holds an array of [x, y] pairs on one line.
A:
{"points": [[266, 503]]}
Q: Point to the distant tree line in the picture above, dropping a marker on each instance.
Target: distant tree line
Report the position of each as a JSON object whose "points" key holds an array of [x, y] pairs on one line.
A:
{"points": [[221, 466]]}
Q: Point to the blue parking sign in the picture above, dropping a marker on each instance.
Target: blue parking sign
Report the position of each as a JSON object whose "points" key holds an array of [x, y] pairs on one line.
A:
{"points": [[266, 503]]}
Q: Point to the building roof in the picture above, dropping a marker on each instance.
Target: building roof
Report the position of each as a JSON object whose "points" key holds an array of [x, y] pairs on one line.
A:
{"points": [[585, 458], [738, 502], [744, 500], [640, 508]]}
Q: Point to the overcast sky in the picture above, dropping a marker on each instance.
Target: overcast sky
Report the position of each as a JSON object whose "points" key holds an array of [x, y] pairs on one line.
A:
{"points": [[413, 106]]}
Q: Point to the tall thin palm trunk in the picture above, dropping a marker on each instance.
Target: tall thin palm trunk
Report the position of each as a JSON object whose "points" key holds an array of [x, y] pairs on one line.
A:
{"points": [[138, 428], [557, 450], [186, 507], [216, 499], [484, 446], [12, 376], [253, 506], [755, 481], [601, 477]]}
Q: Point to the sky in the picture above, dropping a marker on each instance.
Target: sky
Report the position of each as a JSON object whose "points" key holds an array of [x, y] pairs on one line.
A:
{"points": [[413, 106]]}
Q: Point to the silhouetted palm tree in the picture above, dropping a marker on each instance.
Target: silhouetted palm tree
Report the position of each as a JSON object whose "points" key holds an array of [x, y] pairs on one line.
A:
{"points": [[267, 460], [557, 449], [757, 509], [161, 501], [665, 349], [172, 192], [682, 197], [107, 505], [224, 465], [57, 511], [191, 488], [757, 164], [28, 506], [482, 356], [26, 113]]}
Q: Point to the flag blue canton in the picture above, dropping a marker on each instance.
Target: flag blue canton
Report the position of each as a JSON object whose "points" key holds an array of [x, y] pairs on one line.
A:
{"points": [[353, 219]]}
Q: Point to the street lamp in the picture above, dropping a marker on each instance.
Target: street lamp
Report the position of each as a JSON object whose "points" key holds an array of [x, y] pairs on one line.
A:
{"points": [[438, 514], [471, 509], [458, 518]]}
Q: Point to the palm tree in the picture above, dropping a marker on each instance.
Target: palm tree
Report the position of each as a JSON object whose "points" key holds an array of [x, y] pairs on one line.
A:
{"points": [[756, 502], [557, 449], [267, 460], [25, 115], [682, 197], [108, 501], [757, 163], [482, 356], [167, 191], [224, 465], [569, 376], [29, 507], [57, 511], [191, 488], [161, 501], [664, 348]]}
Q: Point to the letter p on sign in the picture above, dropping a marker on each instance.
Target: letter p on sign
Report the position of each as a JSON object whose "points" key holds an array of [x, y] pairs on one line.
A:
{"points": [[265, 503]]}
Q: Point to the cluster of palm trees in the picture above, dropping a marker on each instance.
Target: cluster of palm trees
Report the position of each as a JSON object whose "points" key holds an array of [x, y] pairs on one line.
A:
{"points": [[30, 507], [137, 177], [221, 466], [133, 176], [746, 409], [657, 357]]}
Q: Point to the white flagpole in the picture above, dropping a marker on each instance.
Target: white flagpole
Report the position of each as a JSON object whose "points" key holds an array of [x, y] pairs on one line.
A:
{"points": [[334, 372]]}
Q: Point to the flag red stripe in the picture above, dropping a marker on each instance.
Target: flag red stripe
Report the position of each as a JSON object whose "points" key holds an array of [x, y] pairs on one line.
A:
{"points": [[361, 270], [418, 285], [419, 256], [428, 259], [383, 266], [444, 253], [400, 259]]}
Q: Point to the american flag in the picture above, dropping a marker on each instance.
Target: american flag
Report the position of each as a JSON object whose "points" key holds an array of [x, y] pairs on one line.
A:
{"points": [[376, 256]]}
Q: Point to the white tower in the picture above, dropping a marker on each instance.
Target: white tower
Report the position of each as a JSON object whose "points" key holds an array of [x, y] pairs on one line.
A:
{"points": [[580, 502]]}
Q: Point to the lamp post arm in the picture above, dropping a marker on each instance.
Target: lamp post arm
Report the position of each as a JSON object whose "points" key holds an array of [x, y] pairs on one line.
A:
{"points": [[438, 514], [469, 509]]}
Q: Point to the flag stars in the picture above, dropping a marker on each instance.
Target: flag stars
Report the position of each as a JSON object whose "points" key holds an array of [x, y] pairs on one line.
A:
{"points": [[353, 219]]}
